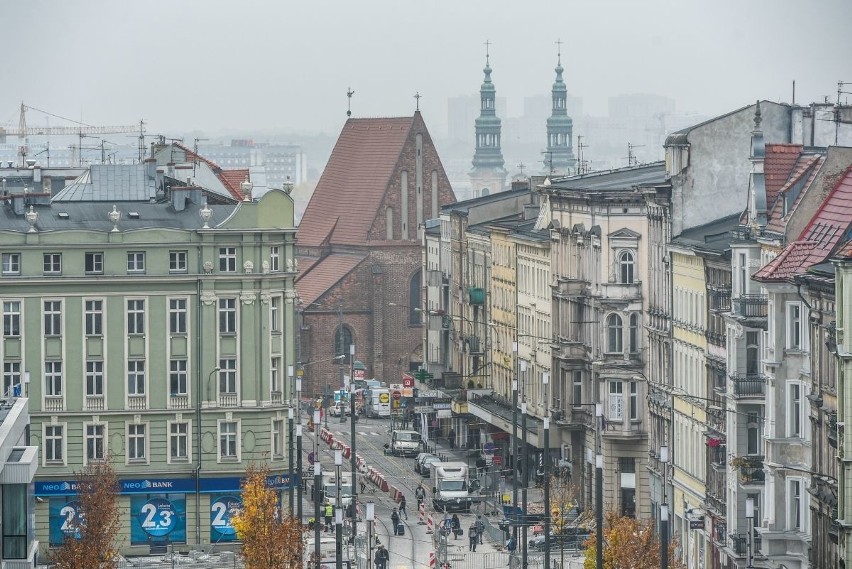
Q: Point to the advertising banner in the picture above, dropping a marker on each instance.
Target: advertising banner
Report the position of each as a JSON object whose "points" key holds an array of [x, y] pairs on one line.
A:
{"points": [[154, 520], [222, 509], [64, 517]]}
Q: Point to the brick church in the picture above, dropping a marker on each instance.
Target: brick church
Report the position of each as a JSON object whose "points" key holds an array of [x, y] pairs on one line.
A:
{"points": [[359, 251]]}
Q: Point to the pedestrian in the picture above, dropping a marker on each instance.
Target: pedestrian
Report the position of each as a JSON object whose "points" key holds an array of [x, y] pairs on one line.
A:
{"points": [[395, 521], [329, 512], [480, 527], [382, 557], [474, 539], [451, 437], [420, 494], [402, 510], [455, 523]]}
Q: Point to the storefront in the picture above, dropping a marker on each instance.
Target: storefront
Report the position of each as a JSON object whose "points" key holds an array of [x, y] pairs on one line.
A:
{"points": [[157, 511]]}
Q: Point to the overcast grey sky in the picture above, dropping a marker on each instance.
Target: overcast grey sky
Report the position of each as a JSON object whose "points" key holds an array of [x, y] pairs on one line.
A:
{"points": [[286, 65]]}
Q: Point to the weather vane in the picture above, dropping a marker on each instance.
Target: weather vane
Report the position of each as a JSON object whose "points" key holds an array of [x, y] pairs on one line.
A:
{"points": [[417, 96], [349, 93]]}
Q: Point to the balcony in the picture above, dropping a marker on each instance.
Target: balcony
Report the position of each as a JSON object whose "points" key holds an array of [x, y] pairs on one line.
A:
{"points": [[95, 403], [720, 300], [718, 505], [748, 385], [54, 403], [179, 401], [228, 400], [750, 306], [831, 428], [720, 528], [137, 402], [275, 397], [474, 346], [619, 291], [739, 543], [568, 287], [750, 469], [570, 350]]}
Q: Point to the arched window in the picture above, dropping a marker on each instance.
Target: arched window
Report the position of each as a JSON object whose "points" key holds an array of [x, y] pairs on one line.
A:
{"points": [[614, 339], [414, 299], [634, 333], [625, 267], [342, 341]]}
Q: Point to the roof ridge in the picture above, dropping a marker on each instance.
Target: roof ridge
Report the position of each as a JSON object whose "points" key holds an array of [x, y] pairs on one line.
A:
{"points": [[816, 216]]}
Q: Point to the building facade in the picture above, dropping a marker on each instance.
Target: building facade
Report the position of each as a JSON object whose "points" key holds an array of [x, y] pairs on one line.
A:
{"points": [[18, 463]]}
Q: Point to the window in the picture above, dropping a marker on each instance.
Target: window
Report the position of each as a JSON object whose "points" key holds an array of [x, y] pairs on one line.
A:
{"points": [[794, 503], [94, 315], [53, 443], [15, 521], [177, 262], [227, 259], [53, 379], [614, 339], [136, 262], [136, 442], [228, 376], [11, 318], [275, 374], [275, 313], [577, 396], [11, 377], [135, 316], [752, 353], [616, 403], [136, 377], [11, 263], [794, 409], [227, 315], [342, 341], [177, 315], [52, 263], [177, 377], [625, 267], [94, 378], [52, 317], [228, 440], [274, 259], [634, 333], [753, 428], [277, 438], [95, 436], [179, 442], [414, 298], [743, 273], [794, 326], [634, 400], [94, 263]]}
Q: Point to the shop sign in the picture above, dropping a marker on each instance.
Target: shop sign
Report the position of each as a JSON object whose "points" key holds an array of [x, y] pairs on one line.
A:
{"points": [[166, 485], [65, 519], [157, 519], [222, 510], [423, 409]]}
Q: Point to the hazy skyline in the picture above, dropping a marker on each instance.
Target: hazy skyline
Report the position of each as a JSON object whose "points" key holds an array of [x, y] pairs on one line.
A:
{"points": [[286, 66]]}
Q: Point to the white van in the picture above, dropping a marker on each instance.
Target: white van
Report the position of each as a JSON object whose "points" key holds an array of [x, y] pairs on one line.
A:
{"points": [[405, 443]]}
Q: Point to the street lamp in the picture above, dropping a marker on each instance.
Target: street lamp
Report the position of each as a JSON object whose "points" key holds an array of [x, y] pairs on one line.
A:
{"points": [[338, 512], [750, 516], [599, 484], [664, 512], [545, 379], [370, 515], [299, 491], [354, 462], [317, 484], [290, 457]]}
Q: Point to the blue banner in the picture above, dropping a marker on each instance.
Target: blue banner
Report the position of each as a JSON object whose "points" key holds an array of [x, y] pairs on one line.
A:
{"points": [[222, 509], [64, 517], [167, 485], [157, 519]]}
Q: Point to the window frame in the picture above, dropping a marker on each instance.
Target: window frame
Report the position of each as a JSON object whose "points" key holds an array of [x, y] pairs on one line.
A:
{"points": [[11, 371], [795, 498], [626, 267], [615, 402], [104, 438], [144, 436], [187, 436], [274, 258], [137, 375], [135, 262], [611, 327], [227, 259], [12, 318], [53, 378], [275, 383], [235, 457], [633, 410], [178, 261], [51, 263], [176, 374], [275, 303], [576, 388], [795, 410], [276, 439], [52, 315], [93, 262], [793, 328], [135, 313], [93, 317], [63, 447], [178, 316], [92, 376], [228, 374], [11, 264], [227, 313], [634, 333]]}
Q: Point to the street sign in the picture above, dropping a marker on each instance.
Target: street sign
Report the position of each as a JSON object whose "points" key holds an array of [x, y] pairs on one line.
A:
{"points": [[497, 460], [423, 409], [407, 392], [407, 381], [384, 398], [397, 395], [489, 448], [395, 387], [395, 404]]}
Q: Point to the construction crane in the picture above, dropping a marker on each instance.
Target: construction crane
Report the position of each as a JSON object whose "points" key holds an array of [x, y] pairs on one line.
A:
{"points": [[81, 130]]}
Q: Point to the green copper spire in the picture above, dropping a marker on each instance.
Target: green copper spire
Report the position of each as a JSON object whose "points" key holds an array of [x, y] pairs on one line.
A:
{"points": [[488, 174], [559, 157]]}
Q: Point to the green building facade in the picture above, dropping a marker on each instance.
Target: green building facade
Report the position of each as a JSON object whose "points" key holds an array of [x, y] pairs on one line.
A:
{"points": [[158, 335]]}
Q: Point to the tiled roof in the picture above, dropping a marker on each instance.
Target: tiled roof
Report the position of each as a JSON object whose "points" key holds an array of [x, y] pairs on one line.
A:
{"points": [[827, 227], [802, 176], [233, 178], [226, 176], [777, 166], [323, 275], [353, 184], [845, 252]]}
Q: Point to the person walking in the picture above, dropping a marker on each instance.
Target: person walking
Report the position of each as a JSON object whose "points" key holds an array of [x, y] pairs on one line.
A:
{"points": [[329, 512], [474, 539], [480, 527], [402, 510], [395, 521], [451, 437], [382, 557], [455, 523], [420, 494]]}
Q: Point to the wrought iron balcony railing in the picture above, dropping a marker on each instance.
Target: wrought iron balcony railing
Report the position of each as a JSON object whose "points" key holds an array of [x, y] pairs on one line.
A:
{"points": [[750, 305]]}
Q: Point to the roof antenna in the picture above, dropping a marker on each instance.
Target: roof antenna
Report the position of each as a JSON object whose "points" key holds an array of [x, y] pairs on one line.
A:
{"points": [[349, 93], [417, 96]]}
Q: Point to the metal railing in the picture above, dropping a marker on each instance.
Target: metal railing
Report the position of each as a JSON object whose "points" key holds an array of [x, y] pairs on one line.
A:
{"points": [[750, 305], [748, 384]]}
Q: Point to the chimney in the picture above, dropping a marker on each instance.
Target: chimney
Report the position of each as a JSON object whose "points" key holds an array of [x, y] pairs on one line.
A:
{"points": [[151, 168], [19, 203], [179, 197]]}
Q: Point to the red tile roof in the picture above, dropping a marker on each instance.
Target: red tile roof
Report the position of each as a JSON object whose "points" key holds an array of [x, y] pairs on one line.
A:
{"points": [[227, 177], [313, 282], [845, 252], [777, 166], [805, 170], [827, 227], [347, 198]]}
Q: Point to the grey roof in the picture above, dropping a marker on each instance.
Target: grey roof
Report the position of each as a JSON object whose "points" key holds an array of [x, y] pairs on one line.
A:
{"points": [[93, 216], [620, 179], [681, 137], [108, 182], [464, 206], [711, 237]]}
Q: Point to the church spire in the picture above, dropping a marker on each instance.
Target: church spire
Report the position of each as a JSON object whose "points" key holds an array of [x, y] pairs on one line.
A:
{"points": [[559, 156], [488, 175]]}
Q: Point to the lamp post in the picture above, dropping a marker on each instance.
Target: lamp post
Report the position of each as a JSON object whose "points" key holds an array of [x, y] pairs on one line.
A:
{"points": [[599, 485], [299, 489], [317, 484], [338, 513], [545, 380], [370, 516], [525, 478], [664, 512], [750, 516], [353, 460], [290, 457]]}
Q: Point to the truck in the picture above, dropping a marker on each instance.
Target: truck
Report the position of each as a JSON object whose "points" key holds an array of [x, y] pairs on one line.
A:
{"points": [[329, 488], [405, 443], [452, 489], [378, 402]]}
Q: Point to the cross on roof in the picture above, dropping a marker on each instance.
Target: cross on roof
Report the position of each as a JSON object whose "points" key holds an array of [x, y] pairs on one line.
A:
{"points": [[417, 96], [349, 93], [559, 49], [487, 55]]}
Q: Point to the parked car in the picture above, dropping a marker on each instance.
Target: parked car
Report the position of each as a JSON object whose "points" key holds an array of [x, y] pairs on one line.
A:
{"points": [[340, 409], [425, 466], [569, 538]]}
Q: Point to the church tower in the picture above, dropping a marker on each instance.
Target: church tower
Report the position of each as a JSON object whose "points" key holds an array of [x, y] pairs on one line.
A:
{"points": [[559, 157], [488, 175]]}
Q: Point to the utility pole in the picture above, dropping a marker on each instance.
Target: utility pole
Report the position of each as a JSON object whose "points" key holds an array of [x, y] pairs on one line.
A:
{"points": [[338, 513], [664, 512], [599, 485], [299, 492], [353, 460], [317, 484], [545, 379]]}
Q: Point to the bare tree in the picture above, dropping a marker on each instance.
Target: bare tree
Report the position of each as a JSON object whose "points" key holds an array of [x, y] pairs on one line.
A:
{"points": [[91, 539]]}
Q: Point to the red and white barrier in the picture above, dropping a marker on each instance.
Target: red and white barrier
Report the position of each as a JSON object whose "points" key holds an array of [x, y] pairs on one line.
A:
{"points": [[421, 514], [429, 525], [433, 561]]}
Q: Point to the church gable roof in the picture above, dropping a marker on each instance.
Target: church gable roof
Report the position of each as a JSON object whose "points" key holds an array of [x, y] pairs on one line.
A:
{"points": [[353, 184]]}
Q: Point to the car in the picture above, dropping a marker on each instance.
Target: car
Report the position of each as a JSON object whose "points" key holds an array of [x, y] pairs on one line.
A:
{"points": [[426, 465], [569, 538], [339, 409], [418, 461]]}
